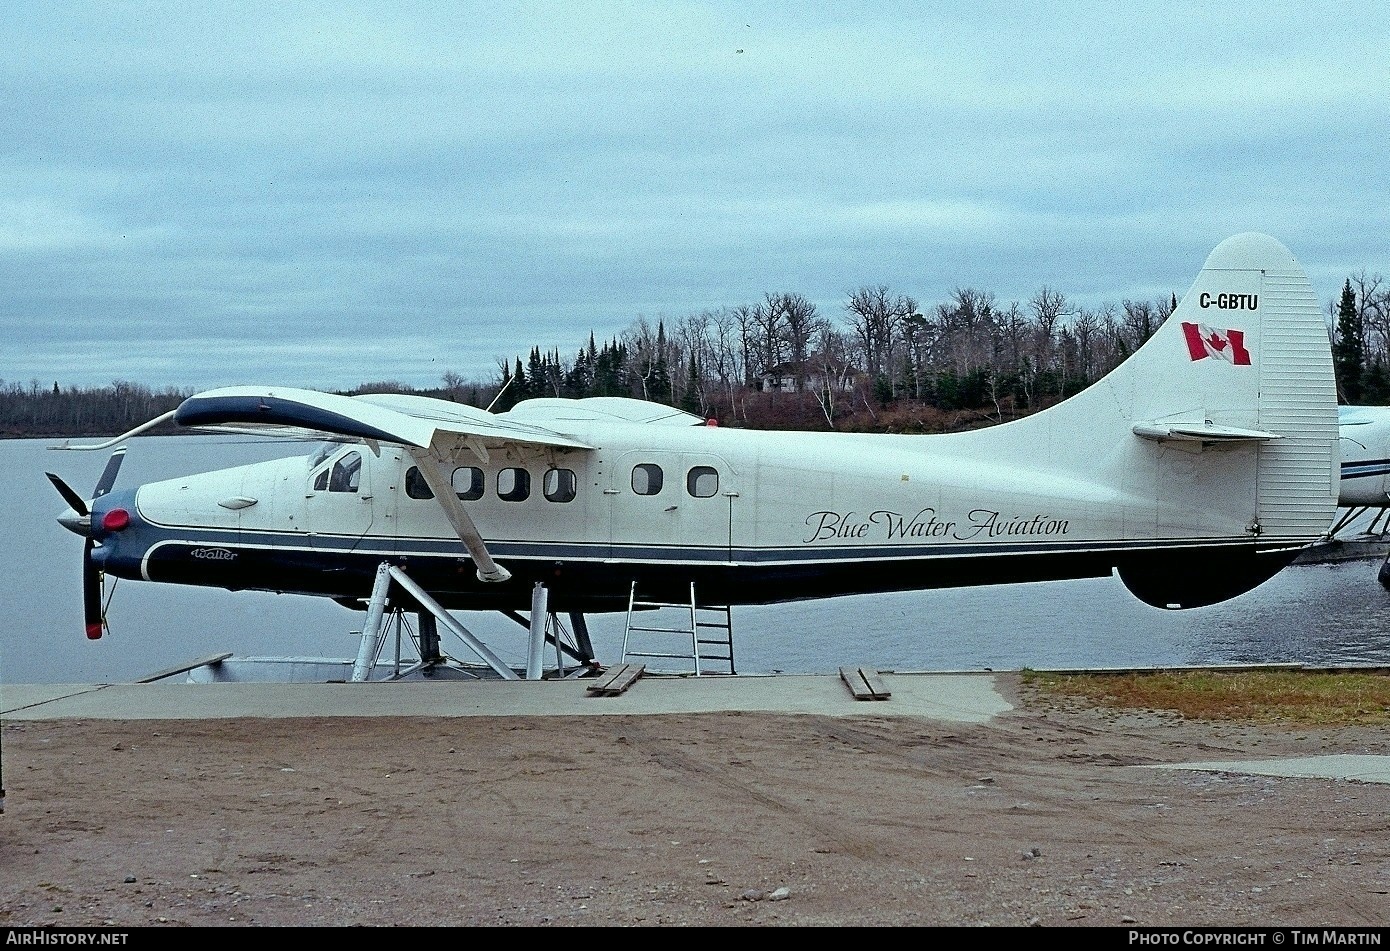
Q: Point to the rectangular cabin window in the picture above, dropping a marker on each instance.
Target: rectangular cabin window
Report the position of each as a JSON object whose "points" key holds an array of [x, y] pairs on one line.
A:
{"points": [[513, 484], [415, 485], [560, 485], [468, 483], [702, 481], [646, 478]]}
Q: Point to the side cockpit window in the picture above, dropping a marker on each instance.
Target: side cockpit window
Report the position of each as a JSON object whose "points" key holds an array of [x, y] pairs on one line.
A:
{"points": [[346, 473], [321, 452]]}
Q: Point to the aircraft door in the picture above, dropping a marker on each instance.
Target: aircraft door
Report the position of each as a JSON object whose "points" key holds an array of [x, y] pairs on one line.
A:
{"points": [[680, 502], [339, 507]]}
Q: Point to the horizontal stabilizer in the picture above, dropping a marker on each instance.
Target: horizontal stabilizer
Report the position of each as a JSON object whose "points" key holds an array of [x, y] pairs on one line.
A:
{"points": [[1200, 432]]}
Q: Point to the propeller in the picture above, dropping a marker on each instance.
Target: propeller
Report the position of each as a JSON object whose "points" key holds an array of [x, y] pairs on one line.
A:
{"points": [[80, 522]]}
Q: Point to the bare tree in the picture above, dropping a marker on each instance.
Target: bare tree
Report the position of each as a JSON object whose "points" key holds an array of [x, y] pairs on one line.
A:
{"points": [[876, 319], [726, 356], [769, 338], [1373, 312], [796, 321], [1141, 320]]}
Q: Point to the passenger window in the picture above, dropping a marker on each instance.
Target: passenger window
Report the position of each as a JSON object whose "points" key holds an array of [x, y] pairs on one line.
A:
{"points": [[347, 473], [415, 485], [702, 482], [560, 485], [646, 479], [468, 483], [513, 485]]}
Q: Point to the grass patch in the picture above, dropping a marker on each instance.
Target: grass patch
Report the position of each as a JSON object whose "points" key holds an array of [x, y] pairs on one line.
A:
{"points": [[1295, 697]]}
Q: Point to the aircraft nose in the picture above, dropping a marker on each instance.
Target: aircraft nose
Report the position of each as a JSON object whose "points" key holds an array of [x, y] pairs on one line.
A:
{"points": [[77, 524]]}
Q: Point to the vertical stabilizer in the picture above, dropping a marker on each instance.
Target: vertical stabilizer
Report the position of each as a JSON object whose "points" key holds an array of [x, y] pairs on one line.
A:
{"points": [[1242, 378]]}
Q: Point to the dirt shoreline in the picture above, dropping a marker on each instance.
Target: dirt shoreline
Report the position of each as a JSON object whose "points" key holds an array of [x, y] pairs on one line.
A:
{"points": [[714, 819]]}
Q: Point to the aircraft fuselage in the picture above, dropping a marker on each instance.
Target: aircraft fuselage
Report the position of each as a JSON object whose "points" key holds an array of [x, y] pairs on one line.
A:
{"points": [[749, 517]]}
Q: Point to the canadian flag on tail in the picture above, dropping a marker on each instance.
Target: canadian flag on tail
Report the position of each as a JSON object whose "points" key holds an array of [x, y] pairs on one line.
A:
{"points": [[1228, 345]]}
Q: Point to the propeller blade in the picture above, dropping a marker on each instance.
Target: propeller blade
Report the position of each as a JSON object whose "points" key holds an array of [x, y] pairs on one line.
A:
{"points": [[108, 475], [91, 594], [75, 501]]}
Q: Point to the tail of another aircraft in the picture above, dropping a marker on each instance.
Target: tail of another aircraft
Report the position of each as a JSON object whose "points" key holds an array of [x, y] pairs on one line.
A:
{"points": [[1220, 433]]}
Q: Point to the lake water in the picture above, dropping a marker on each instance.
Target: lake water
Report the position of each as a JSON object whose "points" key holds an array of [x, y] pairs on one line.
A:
{"points": [[1324, 615]]}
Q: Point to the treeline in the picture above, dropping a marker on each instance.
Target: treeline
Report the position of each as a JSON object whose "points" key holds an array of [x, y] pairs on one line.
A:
{"points": [[966, 354], [36, 410], [882, 363]]}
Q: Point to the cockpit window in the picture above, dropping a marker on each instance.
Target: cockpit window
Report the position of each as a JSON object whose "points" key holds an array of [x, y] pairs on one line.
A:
{"points": [[347, 473], [321, 452]]}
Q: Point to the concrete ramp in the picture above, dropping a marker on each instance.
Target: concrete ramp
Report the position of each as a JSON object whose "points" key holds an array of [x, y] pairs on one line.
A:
{"points": [[959, 698]]}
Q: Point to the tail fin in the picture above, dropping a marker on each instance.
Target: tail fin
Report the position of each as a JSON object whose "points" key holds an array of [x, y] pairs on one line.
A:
{"points": [[1216, 441], [1239, 406]]}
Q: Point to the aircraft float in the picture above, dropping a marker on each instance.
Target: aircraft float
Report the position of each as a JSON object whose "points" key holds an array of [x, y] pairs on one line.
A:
{"points": [[1193, 472]]}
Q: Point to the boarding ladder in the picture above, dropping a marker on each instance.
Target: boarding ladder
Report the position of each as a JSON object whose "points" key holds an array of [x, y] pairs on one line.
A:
{"points": [[701, 636]]}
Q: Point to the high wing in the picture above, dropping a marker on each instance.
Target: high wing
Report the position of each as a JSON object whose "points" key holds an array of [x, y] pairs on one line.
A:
{"points": [[410, 421], [434, 432]]}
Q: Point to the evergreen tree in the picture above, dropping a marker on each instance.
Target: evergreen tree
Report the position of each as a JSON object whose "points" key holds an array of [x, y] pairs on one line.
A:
{"points": [[506, 395], [535, 374], [579, 381], [690, 400], [1349, 348], [610, 372], [1376, 383]]}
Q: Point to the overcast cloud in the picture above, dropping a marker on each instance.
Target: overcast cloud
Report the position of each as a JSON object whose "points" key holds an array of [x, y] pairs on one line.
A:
{"points": [[324, 195]]}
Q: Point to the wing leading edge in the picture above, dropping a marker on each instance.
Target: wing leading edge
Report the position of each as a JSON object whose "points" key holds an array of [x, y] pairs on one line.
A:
{"points": [[432, 431], [411, 421]]}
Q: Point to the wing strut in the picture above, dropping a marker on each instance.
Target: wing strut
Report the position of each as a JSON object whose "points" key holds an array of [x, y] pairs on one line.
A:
{"points": [[440, 485]]}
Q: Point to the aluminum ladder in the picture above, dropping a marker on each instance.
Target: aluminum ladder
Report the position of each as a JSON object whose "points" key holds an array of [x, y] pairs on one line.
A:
{"points": [[702, 637]]}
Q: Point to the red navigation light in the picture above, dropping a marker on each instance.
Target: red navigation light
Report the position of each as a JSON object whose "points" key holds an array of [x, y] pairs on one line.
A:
{"points": [[94, 631], [115, 520], [711, 422]]}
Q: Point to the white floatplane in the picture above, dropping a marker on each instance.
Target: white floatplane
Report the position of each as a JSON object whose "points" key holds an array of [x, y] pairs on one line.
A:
{"points": [[1193, 472]]}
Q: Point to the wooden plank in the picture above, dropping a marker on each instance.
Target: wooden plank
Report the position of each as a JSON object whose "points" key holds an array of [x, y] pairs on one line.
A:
{"points": [[616, 680], [212, 661], [876, 684], [864, 683]]}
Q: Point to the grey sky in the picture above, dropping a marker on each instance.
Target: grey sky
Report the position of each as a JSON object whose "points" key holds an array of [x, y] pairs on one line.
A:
{"points": [[329, 194]]}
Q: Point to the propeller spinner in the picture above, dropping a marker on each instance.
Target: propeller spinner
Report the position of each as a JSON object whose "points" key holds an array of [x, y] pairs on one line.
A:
{"points": [[78, 519]]}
